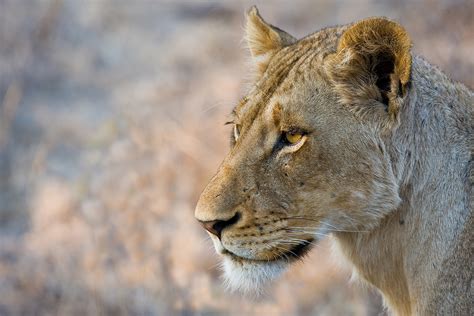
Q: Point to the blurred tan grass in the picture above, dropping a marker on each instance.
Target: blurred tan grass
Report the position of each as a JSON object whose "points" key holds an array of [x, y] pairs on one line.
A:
{"points": [[112, 123]]}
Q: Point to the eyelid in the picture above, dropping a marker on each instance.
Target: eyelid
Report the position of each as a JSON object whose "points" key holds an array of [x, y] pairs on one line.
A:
{"points": [[237, 128], [285, 148], [295, 130]]}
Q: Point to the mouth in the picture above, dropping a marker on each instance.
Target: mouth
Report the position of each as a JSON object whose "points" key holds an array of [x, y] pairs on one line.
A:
{"points": [[300, 250], [295, 253]]}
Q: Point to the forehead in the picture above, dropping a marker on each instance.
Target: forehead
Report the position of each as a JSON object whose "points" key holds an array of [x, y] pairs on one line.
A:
{"points": [[288, 70]]}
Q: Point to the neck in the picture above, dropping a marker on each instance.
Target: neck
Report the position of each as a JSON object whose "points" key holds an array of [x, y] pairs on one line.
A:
{"points": [[405, 255]]}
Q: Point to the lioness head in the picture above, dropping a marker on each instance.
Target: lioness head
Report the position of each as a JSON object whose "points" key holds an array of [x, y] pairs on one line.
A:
{"points": [[307, 156]]}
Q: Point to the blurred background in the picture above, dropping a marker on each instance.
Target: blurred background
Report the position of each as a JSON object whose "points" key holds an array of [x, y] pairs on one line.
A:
{"points": [[111, 123]]}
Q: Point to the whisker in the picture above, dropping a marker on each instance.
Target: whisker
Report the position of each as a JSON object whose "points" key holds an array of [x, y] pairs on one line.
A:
{"points": [[302, 217], [332, 227], [280, 254], [304, 231], [296, 243], [285, 251], [215, 266]]}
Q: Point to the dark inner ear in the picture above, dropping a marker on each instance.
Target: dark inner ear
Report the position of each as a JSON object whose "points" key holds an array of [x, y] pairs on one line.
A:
{"points": [[384, 67]]}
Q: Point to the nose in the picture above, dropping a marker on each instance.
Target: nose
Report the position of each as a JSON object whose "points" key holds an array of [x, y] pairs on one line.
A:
{"points": [[216, 227]]}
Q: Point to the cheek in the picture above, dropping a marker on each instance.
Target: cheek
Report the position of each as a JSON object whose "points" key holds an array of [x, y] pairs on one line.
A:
{"points": [[303, 168], [351, 200], [316, 181]]}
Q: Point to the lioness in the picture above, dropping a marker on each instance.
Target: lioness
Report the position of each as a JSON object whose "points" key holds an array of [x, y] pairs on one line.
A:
{"points": [[346, 132]]}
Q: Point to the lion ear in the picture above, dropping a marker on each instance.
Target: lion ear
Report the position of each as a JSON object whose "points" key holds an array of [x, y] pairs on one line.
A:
{"points": [[373, 62], [264, 39]]}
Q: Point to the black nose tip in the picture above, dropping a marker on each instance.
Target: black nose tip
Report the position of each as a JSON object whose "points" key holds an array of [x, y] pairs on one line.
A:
{"points": [[216, 227]]}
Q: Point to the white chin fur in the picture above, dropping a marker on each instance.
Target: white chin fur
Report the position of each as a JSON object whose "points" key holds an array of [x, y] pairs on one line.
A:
{"points": [[251, 277]]}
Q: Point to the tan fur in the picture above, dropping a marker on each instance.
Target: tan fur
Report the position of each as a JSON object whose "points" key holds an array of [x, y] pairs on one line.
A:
{"points": [[359, 48], [384, 165], [377, 34], [264, 39]]}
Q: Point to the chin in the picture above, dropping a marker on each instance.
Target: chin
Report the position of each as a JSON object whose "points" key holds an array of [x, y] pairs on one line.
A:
{"points": [[250, 276]]}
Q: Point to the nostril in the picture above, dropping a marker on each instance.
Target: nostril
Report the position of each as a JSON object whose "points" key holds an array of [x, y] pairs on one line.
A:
{"points": [[220, 225], [216, 227]]}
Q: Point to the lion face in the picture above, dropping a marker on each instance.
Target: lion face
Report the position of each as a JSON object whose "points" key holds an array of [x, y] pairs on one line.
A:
{"points": [[301, 165]]}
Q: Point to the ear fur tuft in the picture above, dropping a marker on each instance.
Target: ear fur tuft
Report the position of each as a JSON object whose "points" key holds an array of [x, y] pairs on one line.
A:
{"points": [[264, 39]]}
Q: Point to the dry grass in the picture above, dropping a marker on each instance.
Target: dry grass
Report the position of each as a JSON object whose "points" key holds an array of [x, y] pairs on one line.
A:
{"points": [[111, 123]]}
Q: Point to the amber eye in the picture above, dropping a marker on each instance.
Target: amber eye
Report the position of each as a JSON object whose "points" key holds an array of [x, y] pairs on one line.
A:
{"points": [[292, 138]]}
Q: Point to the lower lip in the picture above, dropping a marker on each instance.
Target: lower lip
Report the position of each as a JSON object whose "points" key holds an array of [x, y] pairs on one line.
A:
{"points": [[295, 253]]}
